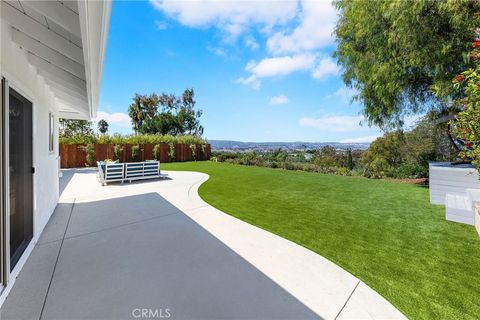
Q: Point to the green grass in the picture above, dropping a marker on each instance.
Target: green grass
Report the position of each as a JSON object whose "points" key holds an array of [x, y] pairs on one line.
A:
{"points": [[385, 233]]}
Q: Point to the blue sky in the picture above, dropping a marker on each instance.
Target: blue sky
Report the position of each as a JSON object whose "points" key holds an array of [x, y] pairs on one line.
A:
{"points": [[262, 71]]}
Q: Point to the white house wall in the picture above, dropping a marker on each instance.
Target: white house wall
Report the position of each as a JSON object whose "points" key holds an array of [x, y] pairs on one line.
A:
{"points": [[23, 78]]}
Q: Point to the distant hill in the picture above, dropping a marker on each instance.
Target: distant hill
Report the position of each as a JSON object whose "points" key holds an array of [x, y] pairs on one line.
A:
{"points": [[229, 145]]}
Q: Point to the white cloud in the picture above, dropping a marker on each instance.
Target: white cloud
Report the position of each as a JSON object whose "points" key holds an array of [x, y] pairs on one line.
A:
{"points": [[282, 66], [218, 51], [345, 94], [251, 81], [367, 139], [295, 30], [314, 31], [280, 99], [276, 66], [279, 66], [326, 67], [251, 43], [232, 17], [117, 118], [333, 123], [161, 25]]}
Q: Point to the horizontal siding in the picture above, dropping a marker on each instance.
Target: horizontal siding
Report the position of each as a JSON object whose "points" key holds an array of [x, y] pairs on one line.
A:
{"points": [[445, 178], [465, 184]]}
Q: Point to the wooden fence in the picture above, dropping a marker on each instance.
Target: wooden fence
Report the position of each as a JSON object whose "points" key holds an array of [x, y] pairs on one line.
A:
{"points": [[74, 156]]}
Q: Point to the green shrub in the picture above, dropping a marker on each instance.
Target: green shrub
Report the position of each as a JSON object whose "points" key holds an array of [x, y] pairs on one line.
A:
{"points": [[90, 154], [410, 169], [136, 152], [132, 139], [232, 161], [271, 164], [343, 172], [378, 168], [77, 139], [156, 152], [171, 151], [193, 148], [117, 152]]}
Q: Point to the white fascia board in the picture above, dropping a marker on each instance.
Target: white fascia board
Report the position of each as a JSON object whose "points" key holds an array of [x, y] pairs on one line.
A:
{"points": [[94, 22], [38, 31], [81, 108], [47, 53], [58, 13], [63, 114]]}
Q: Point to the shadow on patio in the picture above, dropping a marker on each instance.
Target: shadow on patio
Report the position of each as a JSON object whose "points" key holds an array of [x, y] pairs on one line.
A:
{"points": [[106, 259]]}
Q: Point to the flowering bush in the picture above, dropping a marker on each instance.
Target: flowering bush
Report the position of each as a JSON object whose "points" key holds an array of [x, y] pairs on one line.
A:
{"points": [[467, 122]]}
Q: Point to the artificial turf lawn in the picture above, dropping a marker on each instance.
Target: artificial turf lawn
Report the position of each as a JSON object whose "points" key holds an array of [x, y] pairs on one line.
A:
{"points": [[385, 233]]}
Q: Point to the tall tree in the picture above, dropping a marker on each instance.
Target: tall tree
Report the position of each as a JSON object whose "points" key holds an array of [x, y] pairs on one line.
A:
{"points": [[102, 126], [166, 114], [70, 127], [143, 107], [135, 112], [401, 56], [188, 116]]}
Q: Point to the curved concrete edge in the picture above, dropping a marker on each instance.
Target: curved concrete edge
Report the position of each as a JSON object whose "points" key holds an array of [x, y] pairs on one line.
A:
{"points": [[324, 287]]}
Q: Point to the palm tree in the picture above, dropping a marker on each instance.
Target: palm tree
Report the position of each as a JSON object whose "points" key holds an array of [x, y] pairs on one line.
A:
{"points": [[102, 126], [136, 113]]}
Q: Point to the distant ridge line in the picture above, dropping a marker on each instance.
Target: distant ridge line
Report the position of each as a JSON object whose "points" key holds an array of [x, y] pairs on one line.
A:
{"points": [[298, 145]]}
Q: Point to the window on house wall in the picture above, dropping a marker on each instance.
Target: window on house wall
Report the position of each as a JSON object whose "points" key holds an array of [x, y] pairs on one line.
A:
{"points": [[51, 128]]}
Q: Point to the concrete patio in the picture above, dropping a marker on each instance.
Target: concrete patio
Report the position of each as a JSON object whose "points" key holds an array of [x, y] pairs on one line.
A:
{"points": [[113, 252]]}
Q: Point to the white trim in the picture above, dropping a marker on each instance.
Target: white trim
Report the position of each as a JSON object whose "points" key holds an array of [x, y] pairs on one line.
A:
{"points": [[94, 17], [17, 85], [16, 270]]}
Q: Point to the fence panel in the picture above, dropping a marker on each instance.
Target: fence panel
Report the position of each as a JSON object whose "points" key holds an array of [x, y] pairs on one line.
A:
{"points": [[74, 156]]}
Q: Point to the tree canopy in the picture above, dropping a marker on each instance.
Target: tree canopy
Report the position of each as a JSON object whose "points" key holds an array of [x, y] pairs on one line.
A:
{"points": [[467, 122], [401, 56], [70, 127], [102, 126], [166, 114]]}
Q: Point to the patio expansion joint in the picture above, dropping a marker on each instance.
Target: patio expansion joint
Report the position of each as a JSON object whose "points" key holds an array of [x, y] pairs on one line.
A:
{"points": [[348, 299], [119, 226], [48, 242], [56, 261]]}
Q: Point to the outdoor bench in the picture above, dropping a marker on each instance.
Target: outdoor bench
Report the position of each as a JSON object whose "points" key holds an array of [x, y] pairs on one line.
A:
{"points": [[128, 171]]}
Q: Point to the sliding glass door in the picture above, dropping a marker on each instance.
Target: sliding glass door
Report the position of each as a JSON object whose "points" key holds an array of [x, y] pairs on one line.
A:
{"points": [[20, 175]]}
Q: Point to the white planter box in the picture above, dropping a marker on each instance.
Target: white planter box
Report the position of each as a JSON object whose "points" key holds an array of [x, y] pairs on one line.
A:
{"points": [[447, 178], [477, 218]]}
